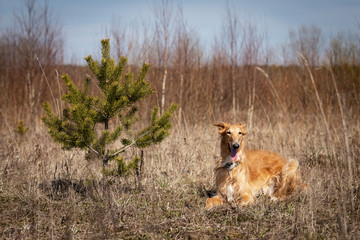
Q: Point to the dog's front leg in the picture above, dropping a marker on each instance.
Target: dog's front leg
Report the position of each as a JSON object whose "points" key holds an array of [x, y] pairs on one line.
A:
{"points": [[214, 202], [245, 199]]}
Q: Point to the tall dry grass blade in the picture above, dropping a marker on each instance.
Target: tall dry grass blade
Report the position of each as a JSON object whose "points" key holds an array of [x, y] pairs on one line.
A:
{"points": [[327, 129], [347, 145], [319, 102], [264, 110], [273, 90], [48, 84], [60, 103]]}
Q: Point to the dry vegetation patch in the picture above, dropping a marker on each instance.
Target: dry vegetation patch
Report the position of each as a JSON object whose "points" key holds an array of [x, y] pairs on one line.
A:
{"points": [[48, 193], [306, 108]]}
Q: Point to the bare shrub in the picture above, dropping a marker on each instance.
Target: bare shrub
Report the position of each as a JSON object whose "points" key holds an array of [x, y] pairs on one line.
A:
{"points": [[36, 38]]}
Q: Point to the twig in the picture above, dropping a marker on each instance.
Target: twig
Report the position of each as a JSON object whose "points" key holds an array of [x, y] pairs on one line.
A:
{"points": [[92, 149], [127, 146]]}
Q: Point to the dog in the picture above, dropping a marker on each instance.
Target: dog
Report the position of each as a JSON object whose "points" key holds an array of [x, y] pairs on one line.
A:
{"points": [[242, 175]]}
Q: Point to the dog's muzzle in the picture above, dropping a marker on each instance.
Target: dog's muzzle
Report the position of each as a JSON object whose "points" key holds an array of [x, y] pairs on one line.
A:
{"points": [[236, 145]]}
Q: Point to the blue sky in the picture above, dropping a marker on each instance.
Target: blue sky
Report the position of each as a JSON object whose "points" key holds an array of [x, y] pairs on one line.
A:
{"points": [[84, 21]]}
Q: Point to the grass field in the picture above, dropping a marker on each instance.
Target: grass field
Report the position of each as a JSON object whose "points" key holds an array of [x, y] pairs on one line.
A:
{"points": [[300, 99], [46, 192]]}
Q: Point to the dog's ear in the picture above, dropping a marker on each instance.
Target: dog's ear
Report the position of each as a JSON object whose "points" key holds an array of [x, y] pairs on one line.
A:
{"points": [[221, 126], [243, 129]]}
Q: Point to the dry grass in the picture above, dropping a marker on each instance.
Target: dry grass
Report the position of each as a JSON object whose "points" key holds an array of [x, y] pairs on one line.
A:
{"points": [[308, 112], [48, 193]]}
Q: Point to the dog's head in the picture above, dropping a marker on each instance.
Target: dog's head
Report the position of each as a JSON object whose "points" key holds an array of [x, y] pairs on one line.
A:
{"points": [[233, 136]]}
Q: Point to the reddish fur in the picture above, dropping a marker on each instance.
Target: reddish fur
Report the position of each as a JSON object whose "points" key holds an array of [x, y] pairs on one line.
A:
{"points": [[258, 170]]}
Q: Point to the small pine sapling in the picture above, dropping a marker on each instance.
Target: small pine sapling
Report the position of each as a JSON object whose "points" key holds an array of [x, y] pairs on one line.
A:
{"points": [[78, 125], [21, 129]]}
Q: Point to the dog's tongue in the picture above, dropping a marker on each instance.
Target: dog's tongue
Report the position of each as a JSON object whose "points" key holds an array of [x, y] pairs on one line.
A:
{"points": [[234, 153]]}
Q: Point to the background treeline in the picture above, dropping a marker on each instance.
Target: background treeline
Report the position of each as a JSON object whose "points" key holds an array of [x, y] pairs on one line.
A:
{"points": [[235, 76]]}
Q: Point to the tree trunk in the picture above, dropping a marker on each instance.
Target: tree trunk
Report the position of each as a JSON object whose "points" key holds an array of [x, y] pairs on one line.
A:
{"points": [[180, 100], [233, 88], [163, 90]]}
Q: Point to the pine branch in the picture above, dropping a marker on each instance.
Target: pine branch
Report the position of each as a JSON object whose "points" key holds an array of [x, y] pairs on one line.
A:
{"points": [[75, 94], [133, 142], [93, 150]]}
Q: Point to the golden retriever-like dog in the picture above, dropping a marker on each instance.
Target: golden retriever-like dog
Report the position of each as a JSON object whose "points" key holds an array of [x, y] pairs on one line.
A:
{"points": [[241, 175]]}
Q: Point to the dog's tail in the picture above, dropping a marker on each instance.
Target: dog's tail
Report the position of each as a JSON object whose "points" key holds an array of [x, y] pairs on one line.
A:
{"points": [[291, 167], [289, 180]]}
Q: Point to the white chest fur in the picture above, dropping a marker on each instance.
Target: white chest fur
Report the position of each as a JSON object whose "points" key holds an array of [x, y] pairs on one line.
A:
{"points": [[230, 193]]}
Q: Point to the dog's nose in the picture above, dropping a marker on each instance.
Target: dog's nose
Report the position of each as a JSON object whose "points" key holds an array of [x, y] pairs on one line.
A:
{"points": [[236, 145]]}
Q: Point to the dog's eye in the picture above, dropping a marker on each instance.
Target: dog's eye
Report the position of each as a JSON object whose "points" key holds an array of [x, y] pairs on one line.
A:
{"points": [[228, 132], [240, 133]]}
